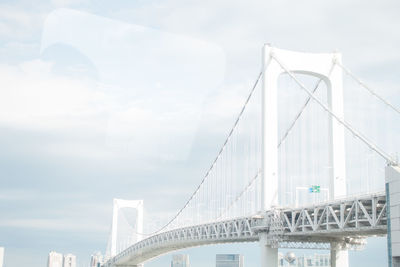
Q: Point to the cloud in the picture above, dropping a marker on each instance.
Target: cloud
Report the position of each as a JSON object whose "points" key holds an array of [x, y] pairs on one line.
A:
{"points": [[158, 80], [32, 97], [61, 224], [65, 3], [133, 127], [18, 23], [13, 195]]}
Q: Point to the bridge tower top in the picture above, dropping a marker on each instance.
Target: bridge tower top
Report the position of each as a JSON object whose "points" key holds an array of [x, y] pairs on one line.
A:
{"points": [[323, 66], [119, 204]]}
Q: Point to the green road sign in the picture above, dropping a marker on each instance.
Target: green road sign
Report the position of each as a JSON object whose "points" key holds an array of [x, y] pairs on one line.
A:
{"points": [[315, 189]]}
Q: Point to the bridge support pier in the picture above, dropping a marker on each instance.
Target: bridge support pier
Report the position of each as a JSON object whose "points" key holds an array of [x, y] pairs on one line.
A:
{"points": [[269, 255], [339, 258]]}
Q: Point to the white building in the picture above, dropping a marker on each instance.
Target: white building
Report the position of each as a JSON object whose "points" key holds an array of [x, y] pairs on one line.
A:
{"points": [[229, 260], [180, 260], [320, 260], [1, 256], [69, 260], [55, 259], [96, 260]]}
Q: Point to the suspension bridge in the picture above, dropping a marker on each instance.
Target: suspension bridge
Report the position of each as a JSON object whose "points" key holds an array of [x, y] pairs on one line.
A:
{"points": [[293, 172]]}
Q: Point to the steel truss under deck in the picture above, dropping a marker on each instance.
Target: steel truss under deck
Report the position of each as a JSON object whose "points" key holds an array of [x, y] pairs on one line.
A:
{"points": [[343, 223]]}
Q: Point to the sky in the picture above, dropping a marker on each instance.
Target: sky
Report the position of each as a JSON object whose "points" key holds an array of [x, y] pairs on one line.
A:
{"points": [[133, 99]]}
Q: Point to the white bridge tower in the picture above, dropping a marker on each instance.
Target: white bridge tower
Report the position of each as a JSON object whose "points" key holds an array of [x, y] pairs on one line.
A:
{"points": [[119, 204], [318, 65]]}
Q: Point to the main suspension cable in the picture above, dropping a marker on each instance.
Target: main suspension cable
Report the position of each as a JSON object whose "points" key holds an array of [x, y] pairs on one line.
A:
{"points": [[289, 129], [356, 133], [369, 89], [216, 158]]}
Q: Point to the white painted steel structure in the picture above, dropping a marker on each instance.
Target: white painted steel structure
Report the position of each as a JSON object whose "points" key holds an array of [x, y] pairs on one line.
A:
{"points": [[319, 65], [307, 227], [339, 224], [119, 204]]}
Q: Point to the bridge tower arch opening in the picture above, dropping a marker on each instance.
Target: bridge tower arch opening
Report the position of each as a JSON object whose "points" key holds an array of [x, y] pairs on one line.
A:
{"points": [[321, 65], [119, 204]]}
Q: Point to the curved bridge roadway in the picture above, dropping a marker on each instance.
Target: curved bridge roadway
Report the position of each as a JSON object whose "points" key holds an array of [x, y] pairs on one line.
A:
{"points": [[342, 223]]}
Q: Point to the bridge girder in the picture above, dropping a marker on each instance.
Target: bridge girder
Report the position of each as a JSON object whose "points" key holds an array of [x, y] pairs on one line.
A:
{"points": [[341, 223]]}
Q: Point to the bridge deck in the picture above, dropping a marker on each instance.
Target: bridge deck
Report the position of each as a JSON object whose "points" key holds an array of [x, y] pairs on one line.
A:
{"points": [[344, 222]]}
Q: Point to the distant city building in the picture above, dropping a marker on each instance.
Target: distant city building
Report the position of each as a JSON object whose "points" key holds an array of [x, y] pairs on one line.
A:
{"points": [[229, 260], [320, 260], [55, 259], [1, 256], [180, 260], [281, 260], [96, 260], [69, 260]]}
